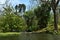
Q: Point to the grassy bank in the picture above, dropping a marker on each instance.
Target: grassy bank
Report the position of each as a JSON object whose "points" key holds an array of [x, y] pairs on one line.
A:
{"points": [[28, 36], [9, 36]]}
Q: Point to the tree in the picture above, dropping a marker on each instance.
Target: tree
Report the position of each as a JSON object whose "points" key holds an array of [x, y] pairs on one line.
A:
{"points": [[8, 9], [29, 17], [54, 4], [10, 22], [21, 8], [43, 14], [16, 7]]}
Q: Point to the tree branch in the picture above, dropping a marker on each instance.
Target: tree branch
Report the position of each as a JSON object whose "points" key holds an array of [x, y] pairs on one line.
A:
{"points": [[57, 2]]}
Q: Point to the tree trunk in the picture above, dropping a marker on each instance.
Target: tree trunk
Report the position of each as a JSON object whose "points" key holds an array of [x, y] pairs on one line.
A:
{"points": [[55, 21], [54, 6], [16, 11]]}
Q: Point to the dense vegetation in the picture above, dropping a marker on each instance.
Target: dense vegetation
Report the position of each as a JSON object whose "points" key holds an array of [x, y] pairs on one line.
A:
{"points": [[33, 20], [38, 23], [16, 19]]}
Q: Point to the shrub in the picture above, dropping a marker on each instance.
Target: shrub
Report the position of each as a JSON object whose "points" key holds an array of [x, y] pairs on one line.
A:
{"points": [[12, 23]]}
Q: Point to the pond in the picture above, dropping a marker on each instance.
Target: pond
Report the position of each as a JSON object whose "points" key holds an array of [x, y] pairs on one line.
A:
{"points": [[28, 36]]}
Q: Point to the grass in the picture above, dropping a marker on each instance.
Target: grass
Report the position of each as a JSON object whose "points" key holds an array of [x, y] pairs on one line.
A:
{"points": [[9, 36]]}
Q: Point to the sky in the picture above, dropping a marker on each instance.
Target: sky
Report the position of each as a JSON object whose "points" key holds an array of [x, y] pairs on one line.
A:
{"points": [[16, 2], [2, 2]]}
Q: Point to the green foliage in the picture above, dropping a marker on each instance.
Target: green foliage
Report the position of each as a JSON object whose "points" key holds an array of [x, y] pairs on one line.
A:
{"points": [[43, 14], [12, 23], [8, 9], [9, 22], [30, 21]]}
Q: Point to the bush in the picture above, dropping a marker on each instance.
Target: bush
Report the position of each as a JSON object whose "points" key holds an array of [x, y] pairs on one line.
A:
{"points": [[12, 23], [31, 21]]}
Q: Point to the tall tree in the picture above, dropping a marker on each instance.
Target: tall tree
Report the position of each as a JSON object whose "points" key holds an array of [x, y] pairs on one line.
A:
{"points": [[54, 4], [20, 7], [43, 14]]}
